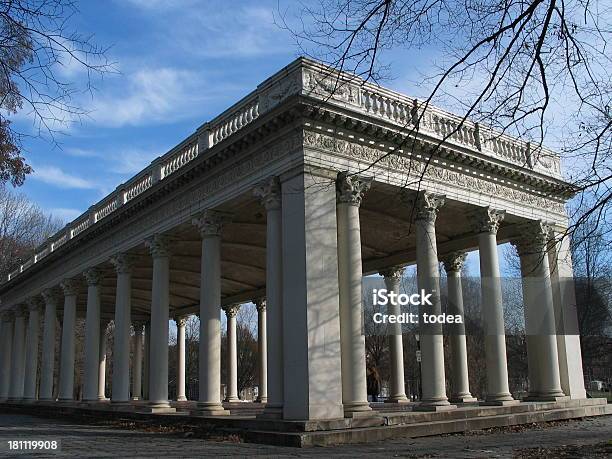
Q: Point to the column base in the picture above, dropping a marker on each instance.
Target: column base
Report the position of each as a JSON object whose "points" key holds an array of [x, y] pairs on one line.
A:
{"points": [[261, 400], [463, 399], [499, 402], [182, 398], [355, 410], [231, 399], [65, 401], [210, 409]]}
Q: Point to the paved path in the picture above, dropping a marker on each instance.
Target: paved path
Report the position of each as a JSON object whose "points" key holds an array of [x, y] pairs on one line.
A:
{"points": [[99, 441]]}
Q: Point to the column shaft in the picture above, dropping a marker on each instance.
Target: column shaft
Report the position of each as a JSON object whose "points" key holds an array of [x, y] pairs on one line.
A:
{"points": [[123, 312], [6, 346], [137, 363], [433, 379], [542, 357], [397, 390], [66, 384], [102, 363], [48, 351], [160, 315], [209, 401], [31, 365], [232, 354], [147, 357], [180, 359], [262, 351], [18, 358], [92, 337]]}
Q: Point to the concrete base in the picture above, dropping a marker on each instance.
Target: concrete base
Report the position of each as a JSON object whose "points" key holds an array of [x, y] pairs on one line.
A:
{"points": [[499, 402], [156, 409], [384, 425], [435, 408]]}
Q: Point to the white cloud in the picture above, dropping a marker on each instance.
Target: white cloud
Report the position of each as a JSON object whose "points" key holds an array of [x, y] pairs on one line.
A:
{"points": [[149, 95], [53, 175]]}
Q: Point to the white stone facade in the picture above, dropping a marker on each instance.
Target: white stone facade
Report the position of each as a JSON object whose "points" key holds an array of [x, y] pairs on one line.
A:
{"points": [[291, 195]]}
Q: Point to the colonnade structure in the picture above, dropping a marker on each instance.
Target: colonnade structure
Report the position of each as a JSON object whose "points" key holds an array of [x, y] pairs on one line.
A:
{"points": [[287, 199]]}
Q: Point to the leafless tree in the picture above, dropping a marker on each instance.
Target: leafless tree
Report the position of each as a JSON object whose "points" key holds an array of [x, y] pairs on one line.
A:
{"points": [[23, 226], [514, 65], [37, 40]]}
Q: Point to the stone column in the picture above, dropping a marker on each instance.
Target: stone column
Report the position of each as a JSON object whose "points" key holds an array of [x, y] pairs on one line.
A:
{"points": [[262, 350], [32, 338], [66, 381], [210, 223], [18, 358], [123, 316], [92, 336], [180, 359], [311, 316], [453, 264], [542, 357], [433, 380], [48, 352], [397, 393], [566, 317], [269, 194], [160, 315], [350, 190], [486, 223], [6, 346], [232, 353], [137, 363], [102, 362], [147, 357]]}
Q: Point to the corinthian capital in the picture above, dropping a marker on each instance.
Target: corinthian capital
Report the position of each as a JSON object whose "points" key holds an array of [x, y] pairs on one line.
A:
{"points": [[453, 262], [427, 205], [93, 276], [181, 321], [210, 222], [231, 310], [70, 287], [35, 303], [269, 193], [533, 238], [351, 188], [395, 273], [50, 295], [260, 304], [487, 220], [158, 246], [123, 263]]}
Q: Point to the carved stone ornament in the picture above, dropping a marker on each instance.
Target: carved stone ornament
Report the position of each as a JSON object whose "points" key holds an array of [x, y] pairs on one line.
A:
{"points": [[351, 188], [269, 193], [20, 311], [231, 310], [93, 276], [210, 223], [123, 263], [394, 273], [158, 246], [35, 303], [181, 321], [427, 205], [534, 238], [50, 295], [487, 220], [260, 304], [453, 262], [70, 287]]}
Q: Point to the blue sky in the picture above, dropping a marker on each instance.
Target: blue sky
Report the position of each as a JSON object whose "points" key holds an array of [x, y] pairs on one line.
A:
{"points": [[180, 63]]}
